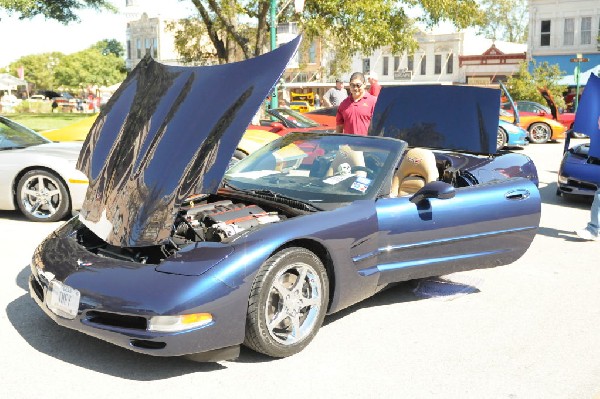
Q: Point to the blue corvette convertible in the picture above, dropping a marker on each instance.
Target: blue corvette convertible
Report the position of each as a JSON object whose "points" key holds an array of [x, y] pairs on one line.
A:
{"points": [[173, 255]]}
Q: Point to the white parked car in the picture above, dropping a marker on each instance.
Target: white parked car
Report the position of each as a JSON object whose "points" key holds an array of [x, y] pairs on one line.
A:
{"points": [[38, 176]]}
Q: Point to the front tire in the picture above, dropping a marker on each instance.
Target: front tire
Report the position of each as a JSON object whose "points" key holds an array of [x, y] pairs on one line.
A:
{"points": [[287, 303], [539, 133], [501, 139], [42, 196]]}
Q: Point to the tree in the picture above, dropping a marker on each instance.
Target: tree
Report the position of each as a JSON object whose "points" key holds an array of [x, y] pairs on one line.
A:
{"points": [[505, 20], [89, 67], [346, 26], [111, 46], [93, 66], [59, 10], [39, 69], [524, 86]]}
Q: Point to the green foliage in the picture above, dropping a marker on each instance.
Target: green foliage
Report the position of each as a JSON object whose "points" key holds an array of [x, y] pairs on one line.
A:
{"points": [[110, 46], [346, 27], [60, 10], [89, 67], [39, 68], [74, 71], [505, 20], [524, 86]]}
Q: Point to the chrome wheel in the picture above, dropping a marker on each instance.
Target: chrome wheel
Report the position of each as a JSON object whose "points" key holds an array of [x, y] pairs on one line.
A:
{"points": [[42, 196], [294, 304], [539, 133], [501, 139], [287, 303]]}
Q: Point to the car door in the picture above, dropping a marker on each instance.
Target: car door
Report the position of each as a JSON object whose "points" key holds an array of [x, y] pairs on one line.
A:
{"points": [[482, 226]]}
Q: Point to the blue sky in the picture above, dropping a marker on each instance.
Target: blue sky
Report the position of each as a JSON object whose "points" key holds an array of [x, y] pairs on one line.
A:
{"points": [[38, 35]]}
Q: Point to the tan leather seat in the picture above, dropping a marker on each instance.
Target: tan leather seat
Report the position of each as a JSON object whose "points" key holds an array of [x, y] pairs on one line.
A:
{"points": [[418, 167], [348, 156]]}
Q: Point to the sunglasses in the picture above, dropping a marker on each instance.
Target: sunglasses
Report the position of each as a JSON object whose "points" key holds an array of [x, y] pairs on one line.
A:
{"points": [[355, 85]]}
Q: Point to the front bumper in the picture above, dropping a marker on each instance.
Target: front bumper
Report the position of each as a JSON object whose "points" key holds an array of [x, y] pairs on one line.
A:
{"points": [[206, 343]]}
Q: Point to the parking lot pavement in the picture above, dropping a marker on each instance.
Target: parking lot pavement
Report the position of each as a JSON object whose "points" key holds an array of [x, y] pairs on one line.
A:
{"points": [[527, 330]]}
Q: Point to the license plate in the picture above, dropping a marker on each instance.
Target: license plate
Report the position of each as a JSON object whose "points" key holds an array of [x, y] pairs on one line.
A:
{"points": [[63, 300]]}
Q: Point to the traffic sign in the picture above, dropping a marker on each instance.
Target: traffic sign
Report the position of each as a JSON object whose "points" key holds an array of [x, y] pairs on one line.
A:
{"points": [[580, 59]]}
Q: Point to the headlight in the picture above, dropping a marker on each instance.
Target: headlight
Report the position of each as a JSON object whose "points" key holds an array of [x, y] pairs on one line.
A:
{"points": [[180, 322], [562, 179]]}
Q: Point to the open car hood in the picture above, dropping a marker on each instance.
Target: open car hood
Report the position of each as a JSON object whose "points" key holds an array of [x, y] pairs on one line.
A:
{"points": [[587, 117], [168, 132], [460, 118]]}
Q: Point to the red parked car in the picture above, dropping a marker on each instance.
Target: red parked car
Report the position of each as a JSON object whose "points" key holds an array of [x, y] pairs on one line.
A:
{"points": [[285, 120]]}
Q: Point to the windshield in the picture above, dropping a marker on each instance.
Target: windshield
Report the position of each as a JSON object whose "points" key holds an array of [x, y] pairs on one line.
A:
{"points": [[293, 118], [14, 135], [319, 168]]}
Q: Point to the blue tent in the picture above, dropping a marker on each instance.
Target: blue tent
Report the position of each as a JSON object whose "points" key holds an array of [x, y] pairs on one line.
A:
{"points": [[569, 80]]}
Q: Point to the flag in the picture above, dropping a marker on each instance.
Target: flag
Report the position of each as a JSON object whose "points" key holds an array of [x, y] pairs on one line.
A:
{"points": [[587, 118], [21, 72]]}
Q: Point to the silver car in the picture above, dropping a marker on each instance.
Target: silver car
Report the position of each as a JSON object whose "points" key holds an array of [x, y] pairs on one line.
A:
{"points": [[38, 176]]}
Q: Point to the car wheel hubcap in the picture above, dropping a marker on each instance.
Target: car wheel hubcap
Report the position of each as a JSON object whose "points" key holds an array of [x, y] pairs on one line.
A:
{"points": [[294, 304], [40, 196], [539, 133]]}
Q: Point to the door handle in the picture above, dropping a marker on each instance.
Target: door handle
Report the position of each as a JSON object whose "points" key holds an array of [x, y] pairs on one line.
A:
{"points": [[519, 194]]}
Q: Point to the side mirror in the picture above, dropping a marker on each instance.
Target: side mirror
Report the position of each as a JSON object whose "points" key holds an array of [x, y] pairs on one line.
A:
{"points": [[436, 189], [277, 126]]}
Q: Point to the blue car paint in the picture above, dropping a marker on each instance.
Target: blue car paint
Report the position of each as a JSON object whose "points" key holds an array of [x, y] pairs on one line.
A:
{"points": [[159, 117], [364, 245], [582, 176], [516, 135], [579, 171], [370, 227]]}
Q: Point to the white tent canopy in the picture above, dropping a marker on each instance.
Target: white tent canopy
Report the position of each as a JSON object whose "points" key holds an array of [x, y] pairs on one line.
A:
{"points": [[9, 82], [569, 80]]}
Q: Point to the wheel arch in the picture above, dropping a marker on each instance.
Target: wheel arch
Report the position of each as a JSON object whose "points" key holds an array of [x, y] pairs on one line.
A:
{"points": [[321, 252], [21, 173]]}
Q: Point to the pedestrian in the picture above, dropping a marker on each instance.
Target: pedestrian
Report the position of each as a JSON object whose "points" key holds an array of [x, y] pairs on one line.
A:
{"points": [[592, 231], [334, 96], [375, 86], [317, 101], [54, 105], [356, 111]]}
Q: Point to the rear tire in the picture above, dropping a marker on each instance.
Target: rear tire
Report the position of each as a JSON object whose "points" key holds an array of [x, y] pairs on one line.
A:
{"points": [[287, 303]]}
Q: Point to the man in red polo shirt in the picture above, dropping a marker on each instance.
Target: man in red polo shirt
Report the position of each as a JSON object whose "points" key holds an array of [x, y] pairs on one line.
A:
{"points": [[355, 112]]}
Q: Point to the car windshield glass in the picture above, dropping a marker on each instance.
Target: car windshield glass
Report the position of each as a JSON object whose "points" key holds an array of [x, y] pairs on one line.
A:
{"points": [[294, 117], [319, 168], [14, 135]]}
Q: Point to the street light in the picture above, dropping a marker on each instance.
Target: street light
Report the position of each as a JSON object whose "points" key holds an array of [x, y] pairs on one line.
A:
{"points": [[298, 7]]}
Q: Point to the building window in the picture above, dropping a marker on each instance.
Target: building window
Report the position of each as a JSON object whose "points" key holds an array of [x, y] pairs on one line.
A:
{"points": [[155, 48], [386, 60], [128, 49], [396, 63], [410, 63], [545, 33], [586, 30], [438, 64], [138, 48], [366, 65], [450, 64], [423, 65], [569, 32], [147, 46]]}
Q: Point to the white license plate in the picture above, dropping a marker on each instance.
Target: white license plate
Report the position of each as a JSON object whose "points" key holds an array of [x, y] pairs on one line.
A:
{"points": [[63, 300]]}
